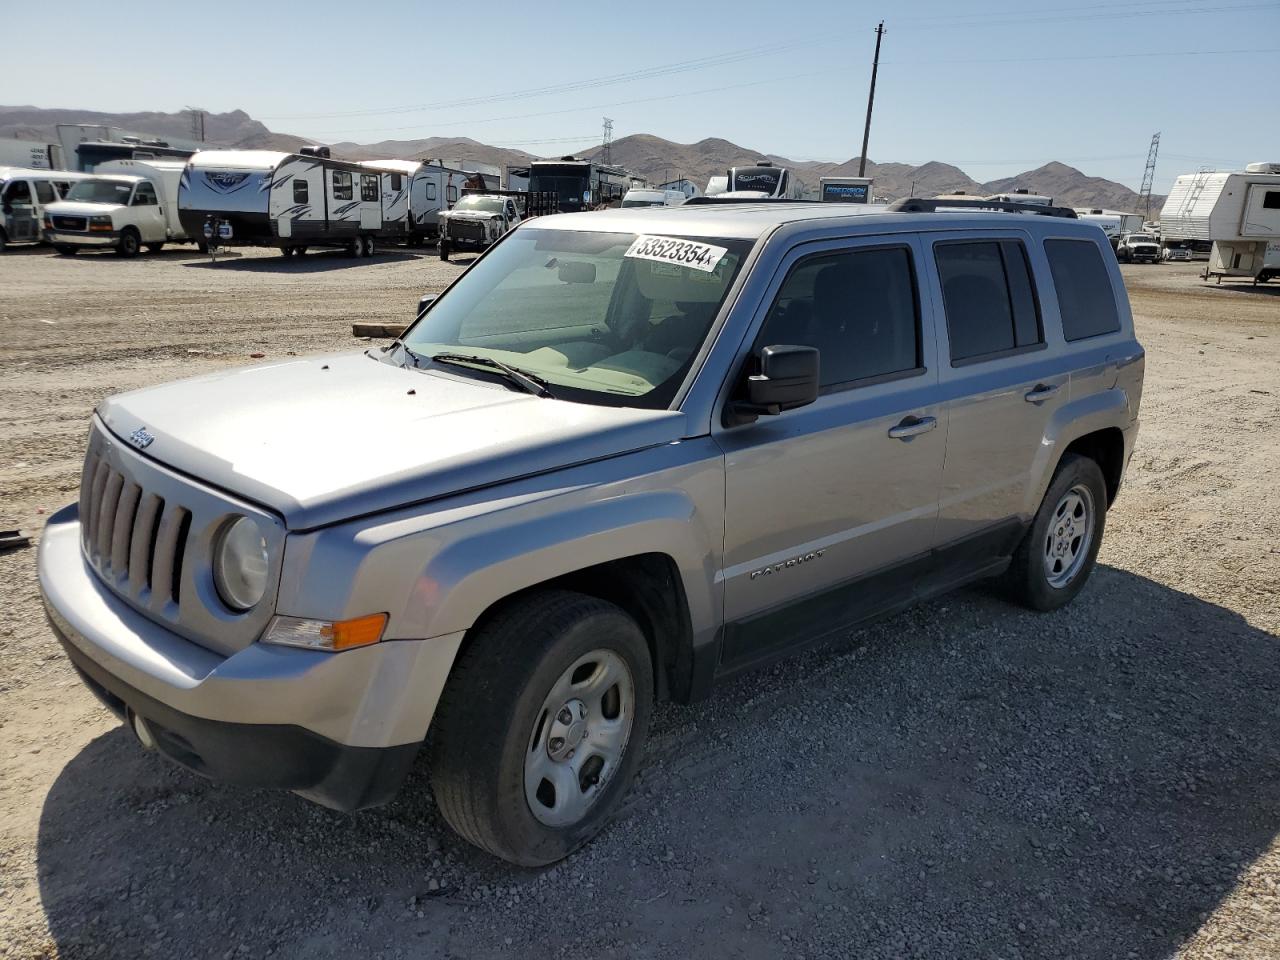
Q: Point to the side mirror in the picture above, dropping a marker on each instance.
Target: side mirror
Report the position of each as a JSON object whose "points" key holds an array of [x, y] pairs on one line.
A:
{"points": [[425, 303], [788, 378], [577, 271]]}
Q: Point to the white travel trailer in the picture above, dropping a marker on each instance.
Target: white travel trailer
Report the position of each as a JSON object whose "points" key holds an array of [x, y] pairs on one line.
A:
{"points": [[30, 154], [1237, 211], [123, 205], [431, 188], [292, 201], [25, 194], [652, 198], [1114, 223], [763, 181]]}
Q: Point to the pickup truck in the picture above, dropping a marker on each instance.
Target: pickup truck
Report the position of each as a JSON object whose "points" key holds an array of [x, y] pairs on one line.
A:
{"points": [[476, 221], [623, 457], [1138, 248]]}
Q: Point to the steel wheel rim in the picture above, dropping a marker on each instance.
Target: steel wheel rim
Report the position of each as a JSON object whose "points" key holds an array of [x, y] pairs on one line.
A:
{"points": [[579, 738], [1069, 537]]}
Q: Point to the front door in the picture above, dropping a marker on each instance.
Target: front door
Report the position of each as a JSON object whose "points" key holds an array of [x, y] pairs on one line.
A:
{"points": [[1001, 385], [18, 204], [828, 507], [147, 214]]}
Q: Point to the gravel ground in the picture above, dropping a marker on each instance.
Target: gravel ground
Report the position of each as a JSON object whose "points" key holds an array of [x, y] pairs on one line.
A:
{"points": [[964, 780]]}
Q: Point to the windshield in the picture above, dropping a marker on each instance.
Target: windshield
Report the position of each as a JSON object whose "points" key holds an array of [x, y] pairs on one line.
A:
{"points": [[605, 318], [1141, 238], [642, 203], [101, 191], [485, 204]]}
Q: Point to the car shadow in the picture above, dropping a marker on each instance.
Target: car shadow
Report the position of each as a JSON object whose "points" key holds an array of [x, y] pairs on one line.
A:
{"points": [[319, 261], [964, 779]]}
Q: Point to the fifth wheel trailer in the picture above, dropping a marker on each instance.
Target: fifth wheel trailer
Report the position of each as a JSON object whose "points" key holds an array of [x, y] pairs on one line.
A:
{"points": [[1237, 211], [292, 201]]}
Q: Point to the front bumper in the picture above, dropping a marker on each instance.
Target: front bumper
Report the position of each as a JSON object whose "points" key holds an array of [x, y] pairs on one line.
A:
{"points": [[340, 729], [99, 239]]}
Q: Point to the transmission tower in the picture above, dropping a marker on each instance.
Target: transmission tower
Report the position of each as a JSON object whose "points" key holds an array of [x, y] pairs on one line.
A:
{"points": [[197, 123], [606, 150], [1149, 176]]}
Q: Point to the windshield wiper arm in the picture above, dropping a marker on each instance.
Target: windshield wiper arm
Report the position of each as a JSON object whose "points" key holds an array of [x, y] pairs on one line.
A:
{"points": [[417, 358], [528, 382]]}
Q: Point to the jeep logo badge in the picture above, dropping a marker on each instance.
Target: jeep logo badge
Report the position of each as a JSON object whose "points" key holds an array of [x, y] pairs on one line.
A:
{"points": [[141, 439]]}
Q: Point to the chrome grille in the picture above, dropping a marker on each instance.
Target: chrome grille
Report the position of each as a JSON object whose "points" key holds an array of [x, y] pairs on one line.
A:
{"points": [[466, 229], [70, 223], [134, 539]]}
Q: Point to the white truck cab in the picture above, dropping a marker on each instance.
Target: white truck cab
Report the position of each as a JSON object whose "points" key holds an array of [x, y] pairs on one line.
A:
{"points": [[24, 194], [124, 204]]}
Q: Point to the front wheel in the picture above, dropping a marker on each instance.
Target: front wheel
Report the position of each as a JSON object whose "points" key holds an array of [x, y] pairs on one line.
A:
{"points": [[129, 244], [1059, 552], [542, 725]]}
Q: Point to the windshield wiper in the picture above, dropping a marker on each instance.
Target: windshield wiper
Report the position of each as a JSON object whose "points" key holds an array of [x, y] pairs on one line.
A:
{"points": [[528, 382], [417, 358]]}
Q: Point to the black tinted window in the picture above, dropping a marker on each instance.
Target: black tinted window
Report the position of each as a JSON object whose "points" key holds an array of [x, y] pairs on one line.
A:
{"points": [[341, 185], [300, 191], [368, 187], [1085, 299], [1271, 200], [44, 190], [858, 308], [396, 182], [988, 297]]}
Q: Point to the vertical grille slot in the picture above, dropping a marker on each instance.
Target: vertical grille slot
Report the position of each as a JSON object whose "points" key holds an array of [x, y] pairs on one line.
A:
{"points": [[107, 516], [86, 488], [122, 529], [95, 503], [142, 543], [173, 524], [180, 553]]}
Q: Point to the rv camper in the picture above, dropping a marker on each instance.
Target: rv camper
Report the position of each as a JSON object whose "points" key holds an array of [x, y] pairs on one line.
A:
{"points": [[124, 205], [25, 194], [1238, 212], [1112, 222], [431, 188], [763, 181], [292, 201], [578, 184]]}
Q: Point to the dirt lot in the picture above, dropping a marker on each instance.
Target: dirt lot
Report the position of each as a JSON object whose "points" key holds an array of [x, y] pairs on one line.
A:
{"points": [[964, 780]]}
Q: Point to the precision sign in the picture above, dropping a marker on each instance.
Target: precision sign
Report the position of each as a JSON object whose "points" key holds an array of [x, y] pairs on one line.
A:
{"points": [[682, 253]]}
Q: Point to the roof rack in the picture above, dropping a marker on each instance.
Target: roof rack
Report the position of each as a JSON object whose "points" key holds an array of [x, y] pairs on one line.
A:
{"points": [[921, 205]]}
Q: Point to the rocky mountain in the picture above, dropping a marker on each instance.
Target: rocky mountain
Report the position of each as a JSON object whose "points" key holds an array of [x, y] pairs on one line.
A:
{"points": [[651, 156]]}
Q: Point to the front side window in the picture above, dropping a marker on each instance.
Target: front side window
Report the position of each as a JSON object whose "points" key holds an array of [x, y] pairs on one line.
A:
{"points": [[44, 190], [368, 187], [342, 189], [301, 191], [593, 314], [144, 196], [988, 297], [1085, 298], [18, 192], [858, 308]]}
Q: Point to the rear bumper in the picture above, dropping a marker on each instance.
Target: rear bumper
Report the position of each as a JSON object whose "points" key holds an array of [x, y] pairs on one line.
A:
{"points": [[340, 729]]}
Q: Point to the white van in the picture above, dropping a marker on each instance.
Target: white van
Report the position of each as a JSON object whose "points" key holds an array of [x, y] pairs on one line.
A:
{"points": [[24, 194], [123, 204]]}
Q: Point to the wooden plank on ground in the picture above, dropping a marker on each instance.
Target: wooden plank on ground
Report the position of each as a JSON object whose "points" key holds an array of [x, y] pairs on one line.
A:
{"points": [[378, 330]]}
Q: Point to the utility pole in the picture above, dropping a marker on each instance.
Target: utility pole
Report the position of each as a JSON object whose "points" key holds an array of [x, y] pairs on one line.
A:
{"points": [[871, 99], [1149, 176], [606, 150]]}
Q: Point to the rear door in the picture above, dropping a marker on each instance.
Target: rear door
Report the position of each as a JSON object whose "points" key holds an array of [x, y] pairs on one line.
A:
{"points": [[18, 204], [1002, 383], [828, 506]]}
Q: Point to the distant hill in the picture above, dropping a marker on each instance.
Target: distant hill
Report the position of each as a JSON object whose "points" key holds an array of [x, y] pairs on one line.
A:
{"points": [[650, 156]]}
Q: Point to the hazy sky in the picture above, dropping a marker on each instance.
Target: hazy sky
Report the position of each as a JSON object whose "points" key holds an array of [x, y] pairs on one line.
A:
{"points": [[995, 87]]}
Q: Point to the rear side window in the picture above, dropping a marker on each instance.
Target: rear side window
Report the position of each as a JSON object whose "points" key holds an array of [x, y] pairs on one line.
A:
{"points": [[341, 185], [44, 191], [989, 298], [1085, 299], [859, 308], [300, 192]]}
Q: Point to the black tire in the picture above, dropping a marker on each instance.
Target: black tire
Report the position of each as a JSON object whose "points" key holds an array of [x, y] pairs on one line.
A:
{"points": [[66, 249], [4, 241], [1027, 578], [286, 251], [130, 243], [355, 248], [202, 247], [154, 247], [486, 719], [369, 247], [300, 251], [443, 248]]}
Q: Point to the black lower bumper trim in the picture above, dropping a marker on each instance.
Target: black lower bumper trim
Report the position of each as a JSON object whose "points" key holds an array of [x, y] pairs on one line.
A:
{"points": [[279, 756]]}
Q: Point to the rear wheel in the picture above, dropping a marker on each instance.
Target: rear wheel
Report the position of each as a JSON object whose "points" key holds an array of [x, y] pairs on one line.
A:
{"points": [[130, 243], [66, 249], [287, 251], [4, 241], [356, 247], [1059, 552], [533, 752], [368, 247]]}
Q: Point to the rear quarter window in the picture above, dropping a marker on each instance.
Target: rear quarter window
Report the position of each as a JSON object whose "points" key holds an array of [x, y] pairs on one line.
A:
{"points": [[1085, 298]]}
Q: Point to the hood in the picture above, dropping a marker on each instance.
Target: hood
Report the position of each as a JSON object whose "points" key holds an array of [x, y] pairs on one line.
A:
{"points": [[82, 208], [470, 214], [327, 438]]}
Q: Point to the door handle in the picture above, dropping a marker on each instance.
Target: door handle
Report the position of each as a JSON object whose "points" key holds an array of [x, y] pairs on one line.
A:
{"points": [[1041, 392], [912, 427]]}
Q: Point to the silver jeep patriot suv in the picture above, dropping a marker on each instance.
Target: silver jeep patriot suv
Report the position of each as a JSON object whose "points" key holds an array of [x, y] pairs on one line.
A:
{"points": [[622, 457]]}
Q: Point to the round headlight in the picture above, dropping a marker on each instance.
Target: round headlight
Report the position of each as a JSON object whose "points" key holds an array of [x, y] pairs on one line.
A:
{"points": [[240, 564]]}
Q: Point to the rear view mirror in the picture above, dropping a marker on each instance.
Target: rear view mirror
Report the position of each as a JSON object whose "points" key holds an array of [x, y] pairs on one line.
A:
{"points": [[425, 303], [577, 271], [788, 378]]}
